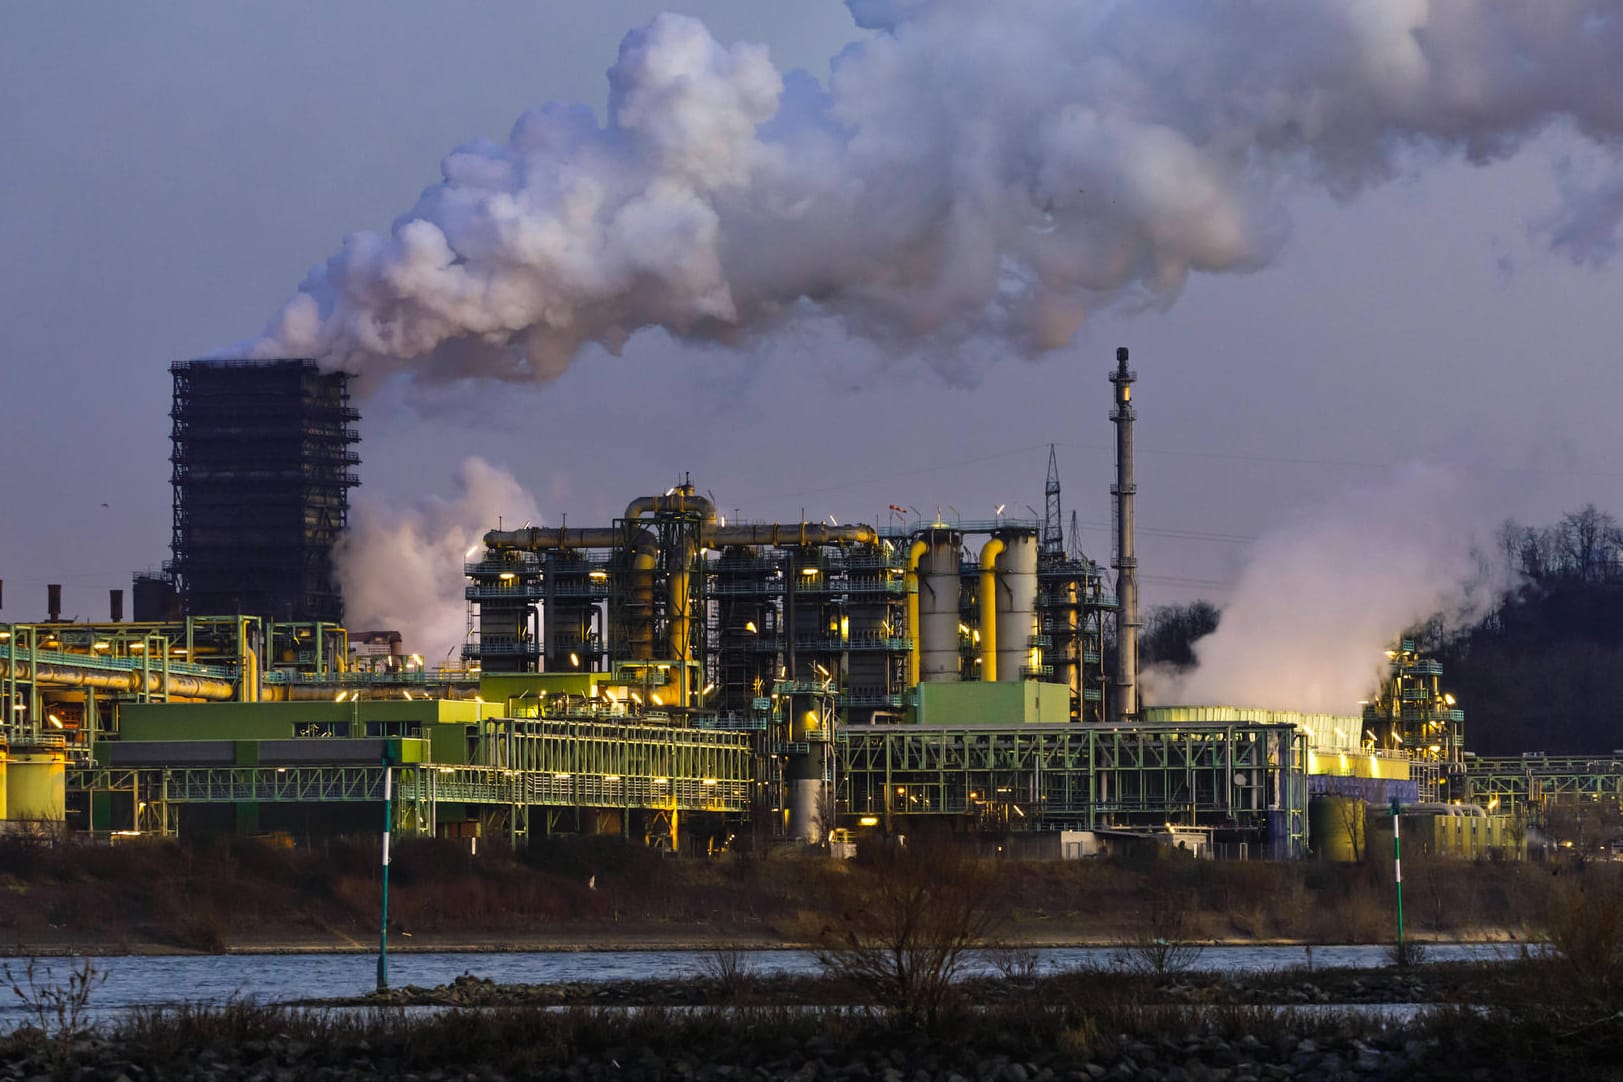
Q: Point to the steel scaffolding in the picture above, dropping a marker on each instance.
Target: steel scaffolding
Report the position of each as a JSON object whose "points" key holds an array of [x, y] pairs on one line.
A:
{"points": [[262, 469], [1249, 781]]}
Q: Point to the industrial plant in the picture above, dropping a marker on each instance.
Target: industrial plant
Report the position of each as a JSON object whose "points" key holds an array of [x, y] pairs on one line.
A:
{"points": [[686, 680]]}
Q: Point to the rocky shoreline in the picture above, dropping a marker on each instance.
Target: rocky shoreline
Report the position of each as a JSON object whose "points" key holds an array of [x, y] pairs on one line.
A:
{"points": [[1079, 1026], [1189, 1057]]}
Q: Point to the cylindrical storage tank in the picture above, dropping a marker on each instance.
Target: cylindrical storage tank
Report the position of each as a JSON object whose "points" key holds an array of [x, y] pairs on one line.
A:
{"points": [[1335, 827], [805, 784], [3, 760], [938, 605], [36, 784], [1016, 605]]}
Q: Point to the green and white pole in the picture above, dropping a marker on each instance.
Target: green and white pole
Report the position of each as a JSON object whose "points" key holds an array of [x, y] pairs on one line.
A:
{"points": [[383, 924], [1397, 867]]}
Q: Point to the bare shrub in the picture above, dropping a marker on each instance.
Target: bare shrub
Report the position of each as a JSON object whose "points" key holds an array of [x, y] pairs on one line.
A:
{"points": [[58, 1012], [730, 968], [1163, 945], [908, 922], [1583, 923], [1013, 963], [1406, 953]]}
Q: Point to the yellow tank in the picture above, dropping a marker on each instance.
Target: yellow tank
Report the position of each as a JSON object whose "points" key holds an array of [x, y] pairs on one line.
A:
{"points": [[36, 784], [1336, 827], [2, 781]]}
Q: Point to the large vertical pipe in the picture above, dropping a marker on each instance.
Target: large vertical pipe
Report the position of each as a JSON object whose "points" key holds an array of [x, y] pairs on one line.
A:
{"points": [[644, 558], [1016, 606], [53, 601], [1127, 622], [115, 606], [915, 553], [987, 608], [938, 604]]}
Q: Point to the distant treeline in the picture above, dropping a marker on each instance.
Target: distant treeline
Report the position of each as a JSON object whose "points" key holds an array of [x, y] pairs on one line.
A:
{"points": [[1543, 669]]}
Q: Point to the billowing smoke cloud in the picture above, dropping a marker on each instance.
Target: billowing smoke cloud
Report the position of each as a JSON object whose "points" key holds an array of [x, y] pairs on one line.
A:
{"points": [[1324, 596], [402, 569], [970, 170]]}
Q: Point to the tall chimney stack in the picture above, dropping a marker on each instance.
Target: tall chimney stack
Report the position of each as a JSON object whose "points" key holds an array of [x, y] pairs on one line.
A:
{"points": [[115, 605], [1127, 622], [53, 601]]}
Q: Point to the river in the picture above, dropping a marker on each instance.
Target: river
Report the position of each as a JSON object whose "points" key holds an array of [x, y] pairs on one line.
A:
{"points": [[140, 980]]}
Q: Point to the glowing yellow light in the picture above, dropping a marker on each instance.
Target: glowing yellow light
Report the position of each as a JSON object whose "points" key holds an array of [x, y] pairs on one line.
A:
{"points": [[598, 576], [750, 627], [54, 720], [709, 781], [611, 777], [654, 697], [809, 572], [868, 821], [574, 659]]}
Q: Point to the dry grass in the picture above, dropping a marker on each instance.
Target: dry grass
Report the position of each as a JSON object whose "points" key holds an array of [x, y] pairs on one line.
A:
{"points": [[203, 892]]}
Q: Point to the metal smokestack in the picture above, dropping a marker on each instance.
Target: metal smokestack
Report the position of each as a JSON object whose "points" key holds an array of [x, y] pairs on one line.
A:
{"points": [[115, 605], [1127, 622], [53, 601]]}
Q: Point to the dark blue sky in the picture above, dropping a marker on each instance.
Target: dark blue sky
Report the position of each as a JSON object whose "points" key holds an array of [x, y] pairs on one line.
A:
{"points": [[174, 170]]}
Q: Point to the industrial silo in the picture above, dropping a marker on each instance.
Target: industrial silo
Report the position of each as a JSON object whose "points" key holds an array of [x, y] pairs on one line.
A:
{"points": [[36, 780], [1016, 602], [938, 604]]}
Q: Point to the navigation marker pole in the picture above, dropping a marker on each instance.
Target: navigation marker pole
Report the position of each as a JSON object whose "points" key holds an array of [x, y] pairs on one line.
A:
{"points": [[1397, 867], [383, 925]]}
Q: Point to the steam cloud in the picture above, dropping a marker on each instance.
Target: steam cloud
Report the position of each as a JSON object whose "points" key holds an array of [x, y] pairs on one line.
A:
{"points": [[970, 170], [402, 569], [1323, 598]]}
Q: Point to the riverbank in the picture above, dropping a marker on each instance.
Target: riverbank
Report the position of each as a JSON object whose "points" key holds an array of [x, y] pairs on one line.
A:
{"points": [[215, 895], [1514, 1022]]}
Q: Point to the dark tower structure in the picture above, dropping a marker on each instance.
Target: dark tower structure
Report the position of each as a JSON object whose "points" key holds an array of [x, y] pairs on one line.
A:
{"points": [[262, 471]]}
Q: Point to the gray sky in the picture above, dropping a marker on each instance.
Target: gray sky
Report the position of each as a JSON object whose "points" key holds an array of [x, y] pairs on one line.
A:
{"points": [[176, 169]]}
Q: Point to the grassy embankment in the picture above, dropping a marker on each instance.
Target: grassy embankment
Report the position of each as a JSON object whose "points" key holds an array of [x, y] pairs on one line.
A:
{"points": [[212, 894]]}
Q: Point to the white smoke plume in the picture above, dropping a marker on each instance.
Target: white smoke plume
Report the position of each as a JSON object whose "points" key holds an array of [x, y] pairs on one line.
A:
{"points": [[969, 170], [402, 569], [1324, 597]]}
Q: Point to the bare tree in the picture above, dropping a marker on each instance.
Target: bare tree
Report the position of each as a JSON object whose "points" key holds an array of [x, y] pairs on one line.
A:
{"points": [[909, 919], [1163, 945]]}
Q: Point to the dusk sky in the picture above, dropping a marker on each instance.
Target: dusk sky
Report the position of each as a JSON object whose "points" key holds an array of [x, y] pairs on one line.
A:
{"points": [[176, 170]]}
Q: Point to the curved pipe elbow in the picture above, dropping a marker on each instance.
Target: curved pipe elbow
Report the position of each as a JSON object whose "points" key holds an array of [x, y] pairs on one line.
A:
{"points": [[988, 607]]}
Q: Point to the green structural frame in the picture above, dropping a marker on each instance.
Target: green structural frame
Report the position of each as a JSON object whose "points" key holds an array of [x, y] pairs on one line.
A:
{"points": [[1515, 781], [523, 764], [1051, 776]]}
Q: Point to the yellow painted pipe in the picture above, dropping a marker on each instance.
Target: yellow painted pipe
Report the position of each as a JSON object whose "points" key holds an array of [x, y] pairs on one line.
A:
{"points": [[988, 607], [915, 656], [644, 559]]}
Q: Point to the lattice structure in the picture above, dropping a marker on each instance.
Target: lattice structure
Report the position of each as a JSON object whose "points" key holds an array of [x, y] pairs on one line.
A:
{"points": [[1413, 714], [262, 469], [1510, 783], [1241, 783]]}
